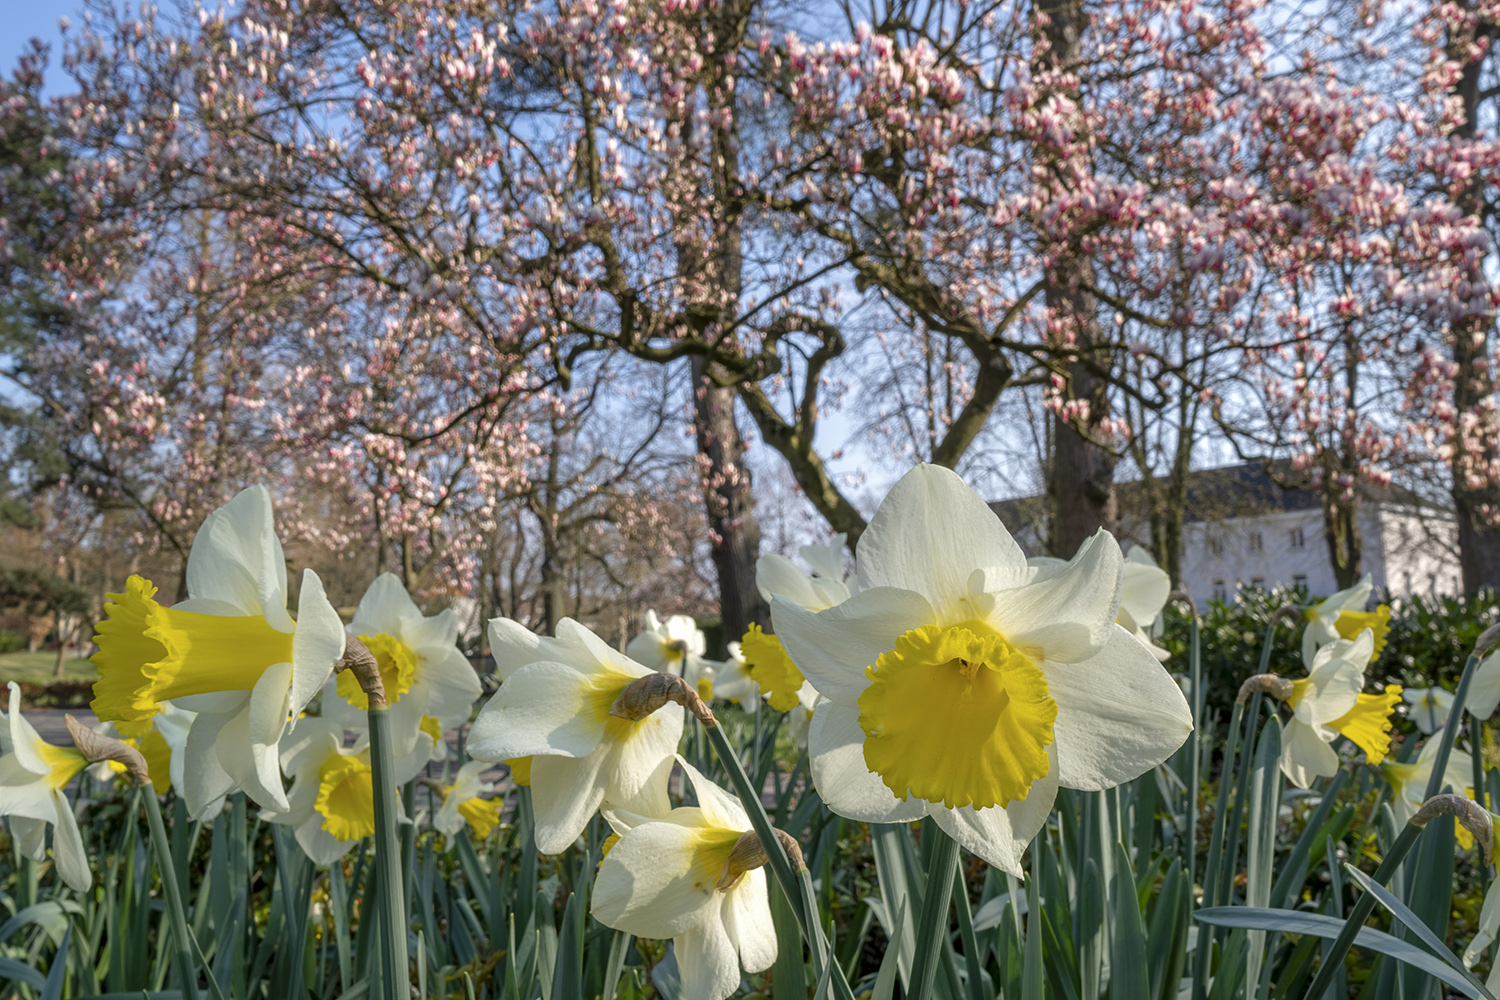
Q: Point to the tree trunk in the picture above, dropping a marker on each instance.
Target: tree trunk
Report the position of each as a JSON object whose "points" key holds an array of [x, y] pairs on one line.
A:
{"points": [[1478, 535], [1345, 547], [734, 535], [62, 648]]}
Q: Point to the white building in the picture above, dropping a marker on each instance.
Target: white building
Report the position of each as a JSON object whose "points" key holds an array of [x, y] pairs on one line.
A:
{"points": [[1242, 530]]}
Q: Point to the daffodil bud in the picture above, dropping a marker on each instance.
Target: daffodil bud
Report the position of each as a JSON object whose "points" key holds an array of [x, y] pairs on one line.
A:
{"points": [[749, 854], [1473, 817], [645, 695], [96, 747], [1277, 687], [359, 661]]}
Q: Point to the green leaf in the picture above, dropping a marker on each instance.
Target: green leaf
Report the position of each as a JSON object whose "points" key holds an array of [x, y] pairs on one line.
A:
{"points": [[1299, 922], [1128, 975], [567, 975], [52, 989], [17, 972], [1416, 925], [885, 979]]}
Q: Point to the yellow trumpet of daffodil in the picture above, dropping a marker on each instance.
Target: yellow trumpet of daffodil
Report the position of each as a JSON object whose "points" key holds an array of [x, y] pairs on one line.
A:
{"points": [[1343, 616]]}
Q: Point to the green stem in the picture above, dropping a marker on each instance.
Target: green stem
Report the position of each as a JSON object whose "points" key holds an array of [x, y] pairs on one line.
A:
{"points": [[932, 928], [390, 885], [1216, 846], [1333, 956], [187, 974], [1450, 732]]}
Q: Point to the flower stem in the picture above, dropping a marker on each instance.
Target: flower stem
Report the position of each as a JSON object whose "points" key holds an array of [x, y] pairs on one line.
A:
{"points": [[187, 974], [390, 884], [932, 928]]}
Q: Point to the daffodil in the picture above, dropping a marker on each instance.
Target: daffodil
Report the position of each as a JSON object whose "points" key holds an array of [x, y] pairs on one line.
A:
{"points": [[553, 706], [778, 577], [678, 876], [1409, 783], [1343, 616], [962, 683], [164, 747], [332, 799], [33, 776], [230, 653], [669, 646], [733, 681], [462, 804], [1489, 927], [1330, 691], [1430, 707], [424, 672], [1144, 588], [1484, 693]]}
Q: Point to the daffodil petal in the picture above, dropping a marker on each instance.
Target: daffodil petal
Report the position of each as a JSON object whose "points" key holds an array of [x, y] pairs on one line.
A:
{"points": [[23, 739], [1144, 587], [929, 535], [23, 793], [1304, 755], [565, 792], [385, 604], [707, 961], [719, 807], [67, 846], [452, 686], [236, 558], [778, 576], [747, 918], [1484, 697], [637, 769], [836, 747], [834, 647], [204, 781], [1067, 617], [320, 845], [543, 708], [649, 885], [1119, 714], [1000, 835], [514, 646], [31, 835]]}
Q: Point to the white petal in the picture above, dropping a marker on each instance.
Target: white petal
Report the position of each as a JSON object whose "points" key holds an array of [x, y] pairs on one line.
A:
{"points": [[405, 725], [836, 748], [778, 576], [827, 560], [542, 708], [1304, 755], [648, 885], [593, 654], [31, 835], [1070, 616], [514, 646], [23, 793], [320, 845], [203, 780], [747, 918], [67, 847], [1119, 714], [446, 820], [452, 687], [832, 648], [317, 644], [636, 770], [997, 835], [565, 792], [929, 535], [247, 754], [383, 606], [1484, 693], [1144, 587], [707, 960], [236, 558], [23, 739], [719, 807]]}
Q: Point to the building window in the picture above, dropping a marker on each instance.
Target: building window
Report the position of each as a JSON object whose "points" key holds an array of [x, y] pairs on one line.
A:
{"points": [[1220, 592], [1258, 582], [1256, 541], [1298, 541], [1300, 579]]}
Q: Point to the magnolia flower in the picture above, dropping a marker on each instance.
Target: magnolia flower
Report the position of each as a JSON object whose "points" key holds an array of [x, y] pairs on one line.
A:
{"points": [[1343, 616], [678, 876], [1430, 707], [230, 652], [462, 804], [332, 800], [424, 672], [1409, 783], [962, 683], [33, 776], [1329, 692], [672, 646], [553, 706], [1144, 589], [1484, 693]]}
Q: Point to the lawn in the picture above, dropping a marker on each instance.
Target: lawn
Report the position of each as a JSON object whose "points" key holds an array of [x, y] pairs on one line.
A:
{"points": [[38, 667]]}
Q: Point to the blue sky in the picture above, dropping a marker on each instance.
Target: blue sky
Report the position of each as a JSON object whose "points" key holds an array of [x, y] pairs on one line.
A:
{"points": [[24, 19]]}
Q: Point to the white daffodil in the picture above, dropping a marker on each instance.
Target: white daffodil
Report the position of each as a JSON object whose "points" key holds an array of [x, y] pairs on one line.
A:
{"points": [[733, 681], [962, 683], [778, 577], [553, 707], [462, 804], [1409, 782], [1144, 589], [332, 799], [1489, 927], [1430, 707], [424, 672], [164, 748], [1343, 616], [33, 776], [1329, 692], [1484, 696], [674, 646], [230, 652], [676, 876]]}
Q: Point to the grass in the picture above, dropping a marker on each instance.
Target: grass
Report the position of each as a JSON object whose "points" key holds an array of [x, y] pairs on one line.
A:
{"points": [[38, 667]]}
